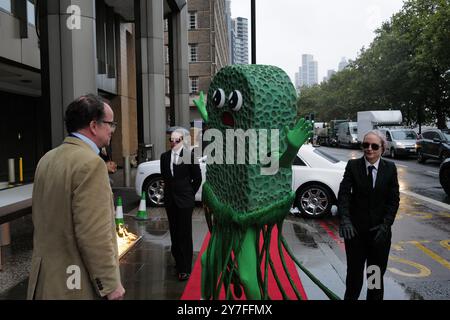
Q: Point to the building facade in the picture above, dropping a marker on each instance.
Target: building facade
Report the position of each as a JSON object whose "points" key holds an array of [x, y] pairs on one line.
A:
{"points": [[208, 51], [54, 51]]}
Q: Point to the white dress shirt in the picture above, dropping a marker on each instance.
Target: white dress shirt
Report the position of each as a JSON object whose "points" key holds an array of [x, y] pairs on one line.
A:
{"points": [[174, 158]]}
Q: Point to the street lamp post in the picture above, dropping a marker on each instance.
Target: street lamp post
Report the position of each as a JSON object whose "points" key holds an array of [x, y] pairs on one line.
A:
{"points": [[253, 32]]}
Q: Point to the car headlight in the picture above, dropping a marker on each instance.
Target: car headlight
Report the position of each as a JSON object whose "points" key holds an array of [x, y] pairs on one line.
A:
{"points": [[399, 144]]}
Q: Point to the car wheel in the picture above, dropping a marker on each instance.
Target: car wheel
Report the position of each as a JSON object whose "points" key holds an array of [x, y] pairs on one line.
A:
{"points": [[393, 155], [420, 157], [154, 189], [314, 201]]}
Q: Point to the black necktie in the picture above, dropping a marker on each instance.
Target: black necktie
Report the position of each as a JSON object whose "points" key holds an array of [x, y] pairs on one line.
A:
{"points": [[370, 176]]}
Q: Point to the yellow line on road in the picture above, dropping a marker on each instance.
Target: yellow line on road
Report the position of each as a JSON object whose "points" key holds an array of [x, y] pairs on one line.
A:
{"points": [[423, 271], [432, 254]]}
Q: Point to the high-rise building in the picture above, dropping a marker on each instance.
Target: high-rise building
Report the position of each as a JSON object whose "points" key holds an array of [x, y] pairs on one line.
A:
{"points": [[343, 64], [230, 29], [329, 74], [309, 72], [240, 45]]}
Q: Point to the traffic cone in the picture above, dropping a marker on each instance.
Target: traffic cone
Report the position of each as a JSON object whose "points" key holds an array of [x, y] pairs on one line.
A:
{"points": [[119, 218], [142, 212], [119, 212]]}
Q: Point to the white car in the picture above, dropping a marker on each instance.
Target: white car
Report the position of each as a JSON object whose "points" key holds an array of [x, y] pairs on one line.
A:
{"points": [[316, 176]]}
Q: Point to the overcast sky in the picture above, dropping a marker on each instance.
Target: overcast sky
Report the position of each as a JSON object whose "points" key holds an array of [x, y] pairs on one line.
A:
{"points": [[327, 29]]}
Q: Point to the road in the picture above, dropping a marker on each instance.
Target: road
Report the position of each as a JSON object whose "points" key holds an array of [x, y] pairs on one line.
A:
{"points": [[419, 261]]}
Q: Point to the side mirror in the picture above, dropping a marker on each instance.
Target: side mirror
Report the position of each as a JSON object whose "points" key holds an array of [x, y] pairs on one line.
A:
{"points": [[437, 140]]}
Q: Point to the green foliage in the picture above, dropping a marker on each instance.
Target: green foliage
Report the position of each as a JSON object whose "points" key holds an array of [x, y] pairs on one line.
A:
{"points": [[404, 68]]}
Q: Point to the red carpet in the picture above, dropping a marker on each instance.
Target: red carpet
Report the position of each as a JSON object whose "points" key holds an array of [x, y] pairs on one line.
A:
{"points": [[193, 290]]}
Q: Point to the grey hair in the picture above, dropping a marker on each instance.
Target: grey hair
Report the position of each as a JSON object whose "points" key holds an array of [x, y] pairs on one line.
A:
{"points": [[380, 135]]}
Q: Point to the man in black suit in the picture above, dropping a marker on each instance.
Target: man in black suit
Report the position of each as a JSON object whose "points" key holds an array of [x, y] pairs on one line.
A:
{"points": [[368, 201], [182, 179]]}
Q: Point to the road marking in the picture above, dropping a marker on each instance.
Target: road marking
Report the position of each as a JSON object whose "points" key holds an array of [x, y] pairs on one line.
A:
{"points": [[418, 196], [432, 172], [445, 244], [401, 165], [432, 254], [423, 271]]}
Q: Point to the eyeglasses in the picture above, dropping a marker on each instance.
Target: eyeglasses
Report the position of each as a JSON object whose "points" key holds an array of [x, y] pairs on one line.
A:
{"points": [[374, 146], [176, 140], [112, 124]]}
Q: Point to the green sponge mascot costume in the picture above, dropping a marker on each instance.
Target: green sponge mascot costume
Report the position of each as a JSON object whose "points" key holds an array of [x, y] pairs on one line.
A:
{"points": [[240, 202]]}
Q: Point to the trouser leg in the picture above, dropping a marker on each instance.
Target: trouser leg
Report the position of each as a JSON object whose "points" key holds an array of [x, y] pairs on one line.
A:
{"points": [[184, 238], [356, 253], [377, 257], [172, 217]]}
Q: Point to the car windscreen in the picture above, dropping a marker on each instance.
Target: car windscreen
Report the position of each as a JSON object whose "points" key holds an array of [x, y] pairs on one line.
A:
{"points": [[447, 135], [326, 156], [404, 135]]}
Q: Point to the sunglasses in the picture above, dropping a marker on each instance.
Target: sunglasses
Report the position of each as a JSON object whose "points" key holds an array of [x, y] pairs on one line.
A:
{"points": [[374, 146], [176, 140]]}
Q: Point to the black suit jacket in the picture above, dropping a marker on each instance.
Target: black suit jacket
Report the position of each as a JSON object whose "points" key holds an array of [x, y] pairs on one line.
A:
{"points": [[180, 189], [365, 206]]}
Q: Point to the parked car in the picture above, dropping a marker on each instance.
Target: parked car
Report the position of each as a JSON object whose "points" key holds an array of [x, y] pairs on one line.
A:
{"points": [[316, 176], [444, 176], [433, 144], [400, 142]]}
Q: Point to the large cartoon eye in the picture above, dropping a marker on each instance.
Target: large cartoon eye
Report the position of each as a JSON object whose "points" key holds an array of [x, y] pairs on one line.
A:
{"points": [[235, 100], [219, 98]]}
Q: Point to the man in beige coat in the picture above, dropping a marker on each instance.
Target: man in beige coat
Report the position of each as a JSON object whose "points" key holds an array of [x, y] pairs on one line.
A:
{"points": [[75, 254]]}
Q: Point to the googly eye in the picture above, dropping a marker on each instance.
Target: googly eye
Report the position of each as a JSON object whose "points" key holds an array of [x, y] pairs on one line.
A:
{"points": [[235, 100], [219, 98]]}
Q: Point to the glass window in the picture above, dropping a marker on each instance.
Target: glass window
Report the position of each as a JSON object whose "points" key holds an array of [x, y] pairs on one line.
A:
{"points": [[427, 135], [193, 52], [166, 25], [446, 134], [435, 135], [5, 5], [388, 136], [167, 85], [404, 135], [31, 12], [193, 85], [166, 54], [192, 20]]}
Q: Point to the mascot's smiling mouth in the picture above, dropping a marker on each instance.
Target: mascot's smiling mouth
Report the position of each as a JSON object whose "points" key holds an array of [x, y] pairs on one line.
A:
{"points": [[227, 119]]}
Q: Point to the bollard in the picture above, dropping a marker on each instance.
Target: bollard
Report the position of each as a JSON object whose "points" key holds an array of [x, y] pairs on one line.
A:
{"points": [[20, 170], [5, 234], [11, 172]]}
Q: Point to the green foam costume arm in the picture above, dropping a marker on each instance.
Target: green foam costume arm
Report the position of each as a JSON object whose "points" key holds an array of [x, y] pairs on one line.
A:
{"points": [[295, 139], [201, 106]]}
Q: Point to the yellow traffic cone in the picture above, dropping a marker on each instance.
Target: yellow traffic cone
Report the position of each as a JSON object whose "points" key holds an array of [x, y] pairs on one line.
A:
{"points": [[142, 212]]}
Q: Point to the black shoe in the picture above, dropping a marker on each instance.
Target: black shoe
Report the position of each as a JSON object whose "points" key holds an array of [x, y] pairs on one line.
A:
{"points": [[183, 276]]}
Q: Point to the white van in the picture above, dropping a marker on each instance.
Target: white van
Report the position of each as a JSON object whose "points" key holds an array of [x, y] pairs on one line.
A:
{"points": [[347, 134], [400, 142]]}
